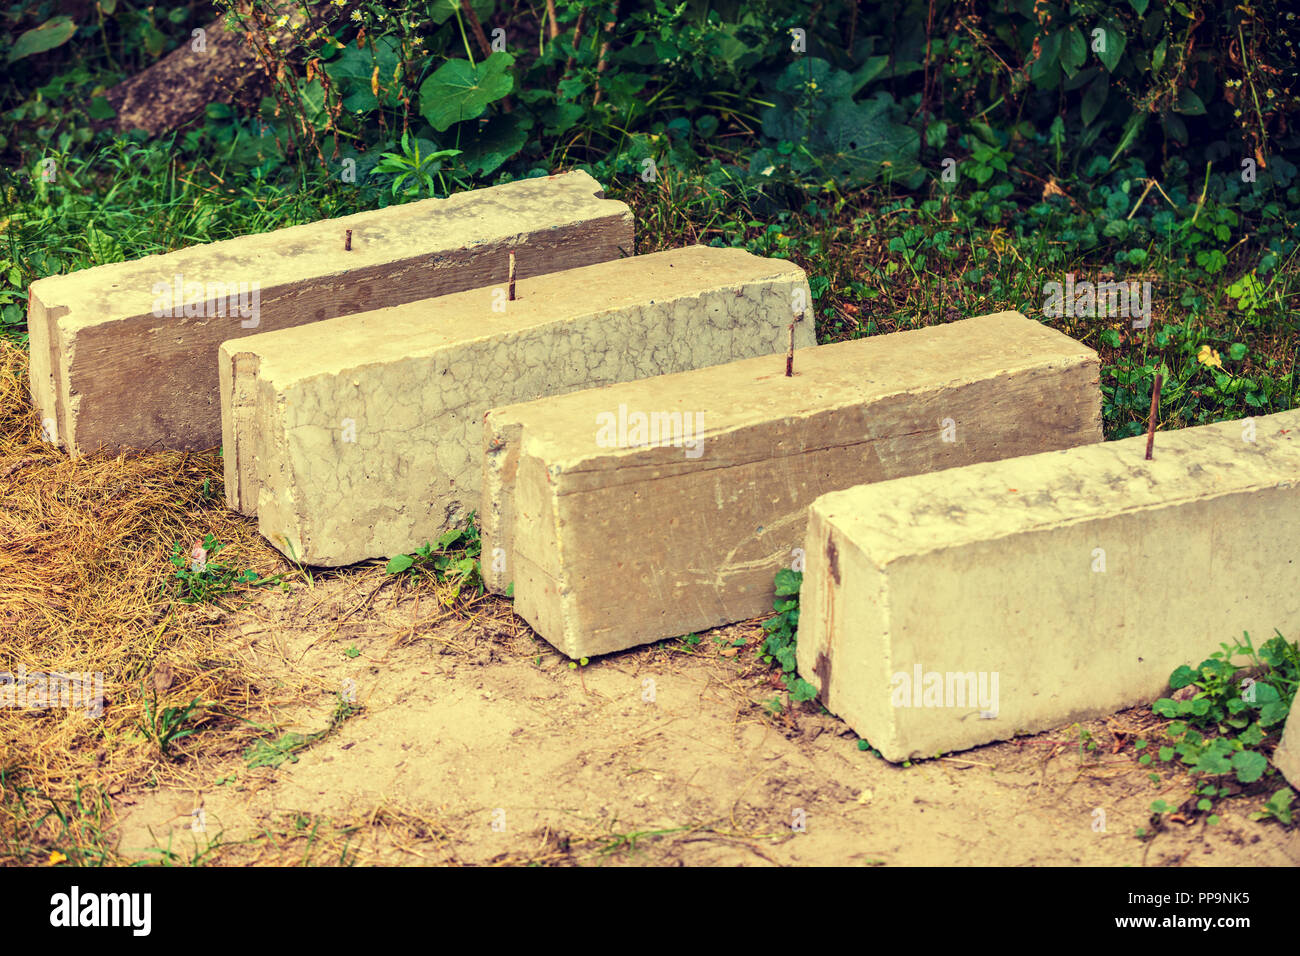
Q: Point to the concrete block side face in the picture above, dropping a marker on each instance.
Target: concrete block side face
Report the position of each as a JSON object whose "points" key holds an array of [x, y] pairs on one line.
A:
{"points": [[64, 345], [540, 588], [1039, 611], [266, 453], [229, 451], [840, 584], [240, 427], [826, 601], [1055, 640], [1287, 755], [496, 516], [44, 357]]}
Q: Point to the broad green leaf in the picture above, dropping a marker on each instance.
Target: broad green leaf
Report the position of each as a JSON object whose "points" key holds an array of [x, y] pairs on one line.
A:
{"points": [[1274, 712], [1280, 805], [1250, 766], [101, 109], [1094, 98], [1114, 47], [492, 143], [869, 71], [788, 582], [1131, 129], [399, 563], [50, 34], [354, 71], [1189, 103], [1139, 6], [459, 90], [1174, 127], [1074, 50], [801, 690], [1158, 56], [1043, 71], [863, 144], [816, 77], [1213, 762]]}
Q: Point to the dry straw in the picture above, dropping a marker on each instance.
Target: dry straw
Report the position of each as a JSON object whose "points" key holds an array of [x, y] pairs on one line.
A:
{"points": [[86, 585]]}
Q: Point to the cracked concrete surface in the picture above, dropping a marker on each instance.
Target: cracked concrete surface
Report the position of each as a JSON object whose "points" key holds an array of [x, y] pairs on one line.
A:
{"points": [[611, 547], [1082, 578], [361, 437]]}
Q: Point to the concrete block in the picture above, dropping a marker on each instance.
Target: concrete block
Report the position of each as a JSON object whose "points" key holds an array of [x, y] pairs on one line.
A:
{"points": [[1287, 756], [610, 546], [125, 355], [944, 611], [361, 437]]}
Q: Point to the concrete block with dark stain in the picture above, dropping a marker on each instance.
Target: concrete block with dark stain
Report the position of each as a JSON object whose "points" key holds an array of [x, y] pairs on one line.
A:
{"points": [[124, 356]]}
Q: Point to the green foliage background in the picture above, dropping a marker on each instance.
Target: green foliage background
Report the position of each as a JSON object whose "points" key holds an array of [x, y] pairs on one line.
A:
{"points": [[921, 161]]}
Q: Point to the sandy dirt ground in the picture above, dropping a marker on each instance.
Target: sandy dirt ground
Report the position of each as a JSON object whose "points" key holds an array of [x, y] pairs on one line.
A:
{"points": [[475, 743]]}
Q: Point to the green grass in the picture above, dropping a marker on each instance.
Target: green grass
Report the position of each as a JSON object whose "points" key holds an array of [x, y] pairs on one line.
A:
{"points": [[1227, 714]]}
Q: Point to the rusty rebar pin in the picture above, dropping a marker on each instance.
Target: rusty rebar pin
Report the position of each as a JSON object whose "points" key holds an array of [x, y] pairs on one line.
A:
{"points": [[510, 291], [789, 353], [347, 240], [1151, 418]]}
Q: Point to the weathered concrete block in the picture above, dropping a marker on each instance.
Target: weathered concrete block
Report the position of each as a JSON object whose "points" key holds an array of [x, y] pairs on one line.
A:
{"points": [[113, 367], [1047, 589], [1287, 756], [361, 437], [610, 546]]}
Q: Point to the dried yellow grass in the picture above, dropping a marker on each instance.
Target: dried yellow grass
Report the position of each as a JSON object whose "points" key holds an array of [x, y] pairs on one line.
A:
{"points": [[86, 585]]}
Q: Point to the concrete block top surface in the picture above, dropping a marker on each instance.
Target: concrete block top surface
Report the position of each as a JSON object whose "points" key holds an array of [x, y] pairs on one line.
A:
{"points": [[982, 502], [755, 391], [421, 328], [286, 256]]}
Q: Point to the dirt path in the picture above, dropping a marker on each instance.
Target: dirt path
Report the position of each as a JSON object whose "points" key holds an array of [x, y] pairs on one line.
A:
{"points": [[476, 743]]}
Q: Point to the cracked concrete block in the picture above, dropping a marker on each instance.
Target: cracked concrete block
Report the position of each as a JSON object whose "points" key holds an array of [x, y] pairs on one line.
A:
{"points": [[113, 368], [610, 545], [944, 611], [361, 437], [1287, 755]]}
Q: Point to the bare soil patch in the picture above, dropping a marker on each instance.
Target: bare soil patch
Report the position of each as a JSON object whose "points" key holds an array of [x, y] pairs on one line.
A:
{"points": [[476, 743]]}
